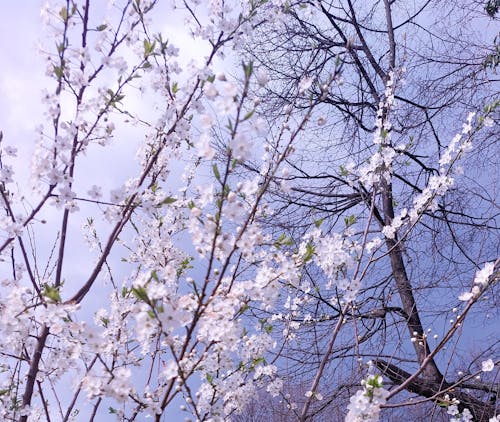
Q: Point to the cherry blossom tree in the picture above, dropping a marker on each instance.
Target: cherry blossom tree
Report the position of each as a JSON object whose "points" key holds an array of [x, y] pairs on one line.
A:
{"points": [[157, 288]]}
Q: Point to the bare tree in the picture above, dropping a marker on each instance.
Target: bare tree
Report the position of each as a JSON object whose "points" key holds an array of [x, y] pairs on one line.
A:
{"points": [[444, 55]]}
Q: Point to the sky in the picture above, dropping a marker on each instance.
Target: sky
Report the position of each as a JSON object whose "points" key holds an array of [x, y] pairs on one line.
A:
{"points": [[21, 74]]}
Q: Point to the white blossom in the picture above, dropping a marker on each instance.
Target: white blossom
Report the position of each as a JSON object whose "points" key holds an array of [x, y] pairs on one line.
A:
{"points": [[487, 365]]}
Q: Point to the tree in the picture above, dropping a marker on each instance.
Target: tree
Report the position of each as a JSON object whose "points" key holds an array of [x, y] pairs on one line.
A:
{"points": [[365, 44], [161, 312]]}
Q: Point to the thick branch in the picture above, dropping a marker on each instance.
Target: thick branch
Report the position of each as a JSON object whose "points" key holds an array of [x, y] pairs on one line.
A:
{"points": [[405, 290]]}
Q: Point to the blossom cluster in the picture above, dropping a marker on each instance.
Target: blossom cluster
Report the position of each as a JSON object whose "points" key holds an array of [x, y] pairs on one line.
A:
{"points": [[365, 404], [481, 282]]}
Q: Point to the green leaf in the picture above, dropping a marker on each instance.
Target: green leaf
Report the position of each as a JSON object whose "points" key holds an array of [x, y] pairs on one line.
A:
{"points": [[175, 87], [248, 69], [216, 172], [248, 115], [184, 265], [375, 381], [148, 48], [349, 221], [319, 222], [63, 13], [52, 293], [280, 240], [209, 378], [168, 201], [101, 27], [310, 249], [257, 361], [154, 276], [283, 240], [140, 293], [58, 72]]}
